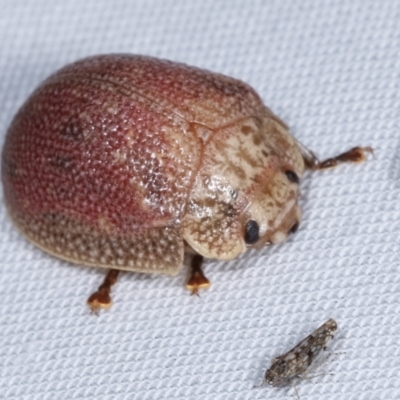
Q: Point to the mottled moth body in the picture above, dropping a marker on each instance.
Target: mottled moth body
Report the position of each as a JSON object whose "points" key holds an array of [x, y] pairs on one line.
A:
{"points": [[295, 362], [127, 162]]}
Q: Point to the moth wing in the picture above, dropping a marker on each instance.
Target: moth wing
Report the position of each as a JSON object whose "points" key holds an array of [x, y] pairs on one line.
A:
{"points": [[301, 356]]}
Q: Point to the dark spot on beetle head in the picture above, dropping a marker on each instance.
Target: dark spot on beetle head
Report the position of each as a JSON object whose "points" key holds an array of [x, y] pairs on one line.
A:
{"points": [[256, 140], [292, 176], [294, 228], [246, 130], [258, 121], [252, 235], [264, 153]]}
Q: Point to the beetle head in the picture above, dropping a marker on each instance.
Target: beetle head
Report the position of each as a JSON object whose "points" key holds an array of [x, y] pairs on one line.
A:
{"points": [[273, 212], [245, 193]]}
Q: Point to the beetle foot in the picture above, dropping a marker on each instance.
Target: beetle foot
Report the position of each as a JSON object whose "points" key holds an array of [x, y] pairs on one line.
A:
{"points": [[196, 282], [101, 298], [197, 278]]}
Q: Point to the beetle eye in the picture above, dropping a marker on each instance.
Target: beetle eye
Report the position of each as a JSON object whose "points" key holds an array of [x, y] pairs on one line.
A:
{"points": [[292, 176], [251, 235]]}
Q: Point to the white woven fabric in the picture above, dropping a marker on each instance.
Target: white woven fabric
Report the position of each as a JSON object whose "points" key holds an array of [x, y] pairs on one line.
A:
{"points": [[330, 69]]}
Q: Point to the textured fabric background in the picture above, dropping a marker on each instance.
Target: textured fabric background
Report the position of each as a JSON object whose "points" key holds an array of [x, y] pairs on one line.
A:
{"points": [[330, 69]]}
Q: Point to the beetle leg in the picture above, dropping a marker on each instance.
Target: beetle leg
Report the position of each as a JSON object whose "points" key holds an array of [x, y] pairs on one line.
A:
{"points": [[356, 154], [101, 298], [197, 278]]}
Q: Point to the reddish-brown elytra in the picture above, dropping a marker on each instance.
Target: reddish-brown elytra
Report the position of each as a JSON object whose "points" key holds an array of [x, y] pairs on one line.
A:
{"points": [[127, 162]]}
